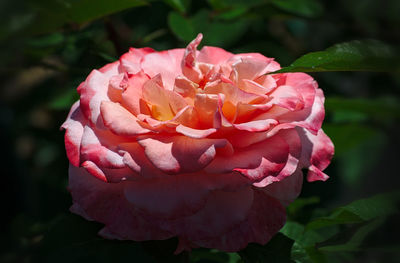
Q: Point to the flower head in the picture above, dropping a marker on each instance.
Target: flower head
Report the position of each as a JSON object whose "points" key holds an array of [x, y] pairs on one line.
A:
{"points": [[203, 145]]}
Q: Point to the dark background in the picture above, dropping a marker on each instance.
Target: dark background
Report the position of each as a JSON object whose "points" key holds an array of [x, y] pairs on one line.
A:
{"points": [[48, 47]]}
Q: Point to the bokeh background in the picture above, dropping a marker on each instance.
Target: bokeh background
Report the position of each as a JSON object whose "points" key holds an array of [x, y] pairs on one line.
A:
{"points": [[48, 47]]}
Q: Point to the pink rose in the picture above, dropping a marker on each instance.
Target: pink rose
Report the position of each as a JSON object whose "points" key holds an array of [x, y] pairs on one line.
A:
{"points": [[202, 145]]}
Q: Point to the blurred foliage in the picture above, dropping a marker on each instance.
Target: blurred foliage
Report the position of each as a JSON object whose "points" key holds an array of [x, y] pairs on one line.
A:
{"points": [[48, 47]]}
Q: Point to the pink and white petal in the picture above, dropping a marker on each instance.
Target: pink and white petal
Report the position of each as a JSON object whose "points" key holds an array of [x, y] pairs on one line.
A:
{"points": [[167, 63], [309, 118], [94, 147], [315, 174], [73, 135], [264, 219], [213, 55], [323, 150], [317, 152], [304, 84], [179, 154], [132, 93], [106, 203], [110, 69], [130, 61], [287, 97], [92, 92], [119, 120]]}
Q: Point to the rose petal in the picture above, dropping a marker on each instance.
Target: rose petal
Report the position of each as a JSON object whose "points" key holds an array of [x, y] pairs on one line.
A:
{"points": [[105, 203], [213, 55], [73, 135], [316, 153], [256, 161], [95, 147], [167, 63], [130, 61], [132, 94], [119, 120], [257, 227], [177, 154]]}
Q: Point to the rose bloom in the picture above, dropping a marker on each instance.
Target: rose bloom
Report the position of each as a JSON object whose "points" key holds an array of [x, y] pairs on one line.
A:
{"points": [[200, 145]]}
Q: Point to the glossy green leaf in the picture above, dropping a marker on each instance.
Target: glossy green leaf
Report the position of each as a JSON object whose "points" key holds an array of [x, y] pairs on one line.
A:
{"points": [[307, 8], [368, 55]]}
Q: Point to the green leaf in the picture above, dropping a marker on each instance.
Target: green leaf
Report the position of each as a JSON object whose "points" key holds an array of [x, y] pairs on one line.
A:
{"points": [[307, 8], [182, 27], [368, 55], [52, 15], [277, 250]]}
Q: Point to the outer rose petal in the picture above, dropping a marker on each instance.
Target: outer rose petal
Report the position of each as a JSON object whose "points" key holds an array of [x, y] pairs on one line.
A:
{"points": [[94, 90], [94, 148], [316, 154], [257, 227], [73, 135], [105, 203]]}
